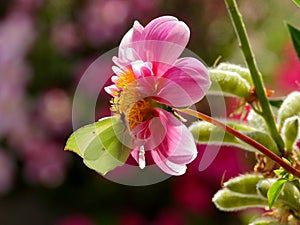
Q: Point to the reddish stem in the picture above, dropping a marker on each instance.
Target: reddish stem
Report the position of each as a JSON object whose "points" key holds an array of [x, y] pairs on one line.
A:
{"points": [[244, 138]]}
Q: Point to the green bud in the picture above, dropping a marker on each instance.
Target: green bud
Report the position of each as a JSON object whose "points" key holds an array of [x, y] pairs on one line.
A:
{"points": [[290, 107], [290, 132], [227, 200], [244, 184], [289, 196], [265, 221], [205, 132], [264, 139], [257, 121], [229, 82], [243, 72]]}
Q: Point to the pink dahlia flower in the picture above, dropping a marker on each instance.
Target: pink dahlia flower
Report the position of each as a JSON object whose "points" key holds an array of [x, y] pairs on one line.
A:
{"points": [[149, 83]]}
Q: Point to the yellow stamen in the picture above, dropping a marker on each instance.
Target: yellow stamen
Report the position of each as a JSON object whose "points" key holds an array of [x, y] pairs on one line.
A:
{"points": [[130, 102], [125, 78], [138, 113]]}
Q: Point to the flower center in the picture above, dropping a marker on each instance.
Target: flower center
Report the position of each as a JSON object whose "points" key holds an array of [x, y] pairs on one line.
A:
{"points": [[139, 112], [126, 77], [130, 103]]}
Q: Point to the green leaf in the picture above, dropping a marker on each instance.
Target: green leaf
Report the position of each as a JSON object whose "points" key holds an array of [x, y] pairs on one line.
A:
{"points": [[290, 107], [290, 132], [242, 71], [289, 196], [264, 139], [275, 190], [276, 102], [257, 121], [227, 200], [205, 132], [295, 35], [228, 82], [266, 221], [101, 144], [297, 2], [244, 184]]}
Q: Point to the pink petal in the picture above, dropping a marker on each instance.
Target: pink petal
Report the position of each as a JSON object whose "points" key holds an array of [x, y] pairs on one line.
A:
{"points": [[127, 53], [161, 41], [183, 84], [177, 148], [164, 39], [169, 29], [112, 90]]}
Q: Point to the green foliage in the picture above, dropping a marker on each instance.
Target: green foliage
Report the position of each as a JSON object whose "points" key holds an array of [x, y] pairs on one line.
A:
{"points": [[290, 107], [242, 71], [275, 190], [257, 121], [229, 83], [205, 132], [253, 190], [290, 132], [297, 2], [240, 193], [295, 35], [265, 221], [265, 139], [289, 195], [227, 200], [244, 184], [99, 144]]}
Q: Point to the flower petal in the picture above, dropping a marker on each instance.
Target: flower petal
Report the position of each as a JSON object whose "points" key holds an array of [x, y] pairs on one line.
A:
{"points": [[164, 39], [183, 84], [161, 41], [127, 52], [177, 148]]}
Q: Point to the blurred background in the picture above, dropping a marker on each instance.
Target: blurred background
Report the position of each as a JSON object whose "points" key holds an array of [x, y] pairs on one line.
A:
{"points": [[45, 47]]}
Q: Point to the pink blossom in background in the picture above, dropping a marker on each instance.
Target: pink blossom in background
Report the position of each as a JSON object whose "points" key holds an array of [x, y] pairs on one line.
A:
{"points": [[142, 8], [29, 6], [66, 37], [104, 20], [288, 72], [17, 33], [169, 217], [44, 162], [55, 110], [131, 218], [149, 73], [193, 194]]}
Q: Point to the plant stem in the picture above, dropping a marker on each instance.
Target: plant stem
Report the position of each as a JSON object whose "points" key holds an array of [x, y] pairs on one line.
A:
{"points": [[244, 138], [257, 79]]}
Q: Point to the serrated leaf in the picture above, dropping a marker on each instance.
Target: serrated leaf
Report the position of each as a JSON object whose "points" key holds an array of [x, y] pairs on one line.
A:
{"points": [[244, 184], [290, 132], [99, 144], [242, 71], [290, 107], [289, 196], [228, 82], [227, 200], [295, 35], [205, 132], [275, 190]]}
